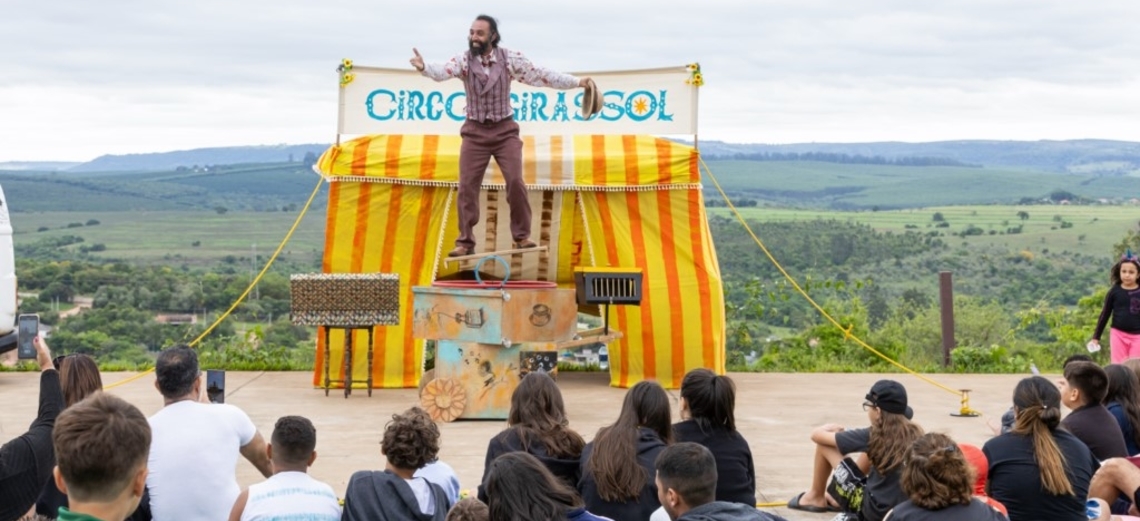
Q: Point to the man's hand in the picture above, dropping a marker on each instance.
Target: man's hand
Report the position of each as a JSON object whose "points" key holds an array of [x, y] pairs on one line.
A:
{"points": [[43, 354], [583, 81], [417, 61]]}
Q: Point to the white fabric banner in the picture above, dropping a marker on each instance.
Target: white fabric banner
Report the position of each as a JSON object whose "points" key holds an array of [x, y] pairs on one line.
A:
{"points": [[395, 101]]}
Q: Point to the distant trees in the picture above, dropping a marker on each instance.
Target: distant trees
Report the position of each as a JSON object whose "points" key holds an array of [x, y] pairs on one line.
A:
{"points": [[1023, 215], [938, 217], [855, 159]]}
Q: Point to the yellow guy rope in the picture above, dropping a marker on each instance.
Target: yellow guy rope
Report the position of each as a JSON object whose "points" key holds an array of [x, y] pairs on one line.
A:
{"points": [[244, 294], [846, 330]]}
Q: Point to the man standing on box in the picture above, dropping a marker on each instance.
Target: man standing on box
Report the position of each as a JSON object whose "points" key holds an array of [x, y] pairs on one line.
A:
{"points": [[487, 71]]}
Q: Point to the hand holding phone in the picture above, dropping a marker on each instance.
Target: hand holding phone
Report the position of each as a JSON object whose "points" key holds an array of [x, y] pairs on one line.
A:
{"points": [[43, 354], [216, 385], [27, 327]]}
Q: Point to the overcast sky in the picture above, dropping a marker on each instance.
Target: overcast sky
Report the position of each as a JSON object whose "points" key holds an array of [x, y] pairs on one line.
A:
{"points": [[82, 79]]}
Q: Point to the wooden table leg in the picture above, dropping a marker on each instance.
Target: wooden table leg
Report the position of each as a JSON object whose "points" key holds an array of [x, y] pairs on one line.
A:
{"points": [[328, 359], [370, 332], [348, 362]]}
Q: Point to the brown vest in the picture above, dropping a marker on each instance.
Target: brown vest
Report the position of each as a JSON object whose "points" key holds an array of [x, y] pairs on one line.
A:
{"points": [[488, 91]]}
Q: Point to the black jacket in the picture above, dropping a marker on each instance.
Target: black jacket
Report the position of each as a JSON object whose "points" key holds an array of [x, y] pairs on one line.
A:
{"points": [[649, 445], [384, 496], [564, 468], [736, 477], [26, 462]]}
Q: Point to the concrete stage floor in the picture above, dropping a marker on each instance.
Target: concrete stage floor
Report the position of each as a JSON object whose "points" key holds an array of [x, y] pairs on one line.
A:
{"points": [[775, 412]]}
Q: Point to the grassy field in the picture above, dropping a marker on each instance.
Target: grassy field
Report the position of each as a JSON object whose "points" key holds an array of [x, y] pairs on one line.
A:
{"points": [[809, 183], [1094, 228], [170, 236], [159, 236]]}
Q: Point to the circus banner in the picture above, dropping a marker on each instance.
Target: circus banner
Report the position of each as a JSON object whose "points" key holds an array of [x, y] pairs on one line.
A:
{"points": [[402, 101]]}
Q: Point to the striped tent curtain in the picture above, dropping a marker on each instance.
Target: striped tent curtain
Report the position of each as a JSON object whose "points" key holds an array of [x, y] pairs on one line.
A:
{"points": [[615, 201]]}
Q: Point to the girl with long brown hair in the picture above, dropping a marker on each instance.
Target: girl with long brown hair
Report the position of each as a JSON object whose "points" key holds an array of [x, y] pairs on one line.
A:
{"points": [[618, 466], [885, 445], [1123, 402], [521, 488], [537, 424], [1037, 470]]}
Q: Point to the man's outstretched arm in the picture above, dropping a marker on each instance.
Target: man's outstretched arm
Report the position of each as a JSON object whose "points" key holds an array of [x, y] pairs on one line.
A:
{"points": [[456, 67], [525, 71]]}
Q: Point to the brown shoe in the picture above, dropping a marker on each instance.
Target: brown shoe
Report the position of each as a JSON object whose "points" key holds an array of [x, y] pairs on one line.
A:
{"points": [[460, 251], [525, 244]]}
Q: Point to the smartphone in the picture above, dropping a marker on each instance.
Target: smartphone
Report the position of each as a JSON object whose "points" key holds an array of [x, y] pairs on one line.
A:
{"points": [[216, 385], [28, 327]]}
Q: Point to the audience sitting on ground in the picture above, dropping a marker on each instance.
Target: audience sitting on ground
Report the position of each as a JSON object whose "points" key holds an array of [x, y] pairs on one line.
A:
{"points": [[939, 483], [290, 493], [411, 440], [78, 378], [708, 413], [981, 467], [26, 460], [617, 467], [101, 446], [686, 477], [1007, 418], [1123, 401], [1082, 391], [469, 509], [884, 445], [1038, 470], [522, 488], [537, 424], [197, 443]]}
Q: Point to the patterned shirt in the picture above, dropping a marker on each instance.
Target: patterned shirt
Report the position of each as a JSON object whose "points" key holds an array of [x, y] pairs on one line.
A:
{"points": [[518, 67]]}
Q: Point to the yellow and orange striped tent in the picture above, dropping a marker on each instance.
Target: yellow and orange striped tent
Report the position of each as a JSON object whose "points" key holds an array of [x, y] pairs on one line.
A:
{"points": [[598, 200]]}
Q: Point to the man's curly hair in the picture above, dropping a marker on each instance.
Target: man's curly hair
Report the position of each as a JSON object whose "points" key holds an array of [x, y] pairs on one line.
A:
{"points": [[411, 439]]}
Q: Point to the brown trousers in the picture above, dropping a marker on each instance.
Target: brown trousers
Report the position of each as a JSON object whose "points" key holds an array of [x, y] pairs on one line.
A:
{"points": [[481, 141]]}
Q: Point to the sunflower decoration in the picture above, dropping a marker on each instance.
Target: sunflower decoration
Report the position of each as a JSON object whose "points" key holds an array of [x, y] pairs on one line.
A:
{"points": [[444, 399], [345, 70], [695, 77]]}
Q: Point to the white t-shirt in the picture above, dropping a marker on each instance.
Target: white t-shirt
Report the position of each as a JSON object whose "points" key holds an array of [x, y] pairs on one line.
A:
{"points": [[291, 495], [443, 475], [194, 450], [421, 488]]}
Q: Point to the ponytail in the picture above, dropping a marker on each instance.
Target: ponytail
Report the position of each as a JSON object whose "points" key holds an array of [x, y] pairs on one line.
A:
{"points": [[1038, 415]]}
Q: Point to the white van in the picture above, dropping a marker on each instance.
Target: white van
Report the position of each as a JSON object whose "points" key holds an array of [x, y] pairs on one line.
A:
{"points": [[8, 309]]}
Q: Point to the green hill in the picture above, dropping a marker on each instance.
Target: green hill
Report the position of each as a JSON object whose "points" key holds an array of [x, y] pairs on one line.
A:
{"points": [[255, 187], [862, 186]]}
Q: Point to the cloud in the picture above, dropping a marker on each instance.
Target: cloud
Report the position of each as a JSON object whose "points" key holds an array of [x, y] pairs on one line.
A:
{"points": [[124, 76]]}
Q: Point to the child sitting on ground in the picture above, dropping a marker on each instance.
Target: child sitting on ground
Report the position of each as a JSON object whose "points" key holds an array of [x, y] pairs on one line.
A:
{"points": [[1082, 391], [411, 440]]}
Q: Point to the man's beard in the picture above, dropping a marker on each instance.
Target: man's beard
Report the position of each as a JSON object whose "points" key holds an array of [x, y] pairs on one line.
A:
{"points": [[477, 48]]}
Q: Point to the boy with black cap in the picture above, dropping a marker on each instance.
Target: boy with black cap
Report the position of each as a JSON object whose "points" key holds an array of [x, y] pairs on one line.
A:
{"points": [[884, 444]]}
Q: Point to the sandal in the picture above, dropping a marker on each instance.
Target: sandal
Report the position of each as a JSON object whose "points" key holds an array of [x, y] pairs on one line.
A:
{"points": [[794, 504]]}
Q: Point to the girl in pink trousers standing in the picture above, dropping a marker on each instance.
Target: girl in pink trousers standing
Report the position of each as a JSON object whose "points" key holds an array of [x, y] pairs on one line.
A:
{"points": [[1123, 303]]}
